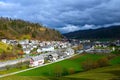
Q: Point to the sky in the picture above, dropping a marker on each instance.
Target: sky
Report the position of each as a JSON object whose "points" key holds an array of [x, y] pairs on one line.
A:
{"points": [[64, 15]]}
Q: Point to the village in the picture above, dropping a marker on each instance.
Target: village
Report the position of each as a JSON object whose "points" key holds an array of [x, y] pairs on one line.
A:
{"points": [[42, 52], [39, 52]]}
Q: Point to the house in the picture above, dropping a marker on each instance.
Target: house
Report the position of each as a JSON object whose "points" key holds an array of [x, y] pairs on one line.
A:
{"points": [[61, 54], [117, 43], [44, 49], [4, 40], [53, 57], [27, 51], [36, 61], [65, 53], [69, 51], [100, 51], [39, 50], [24, 42], [24, 46]]}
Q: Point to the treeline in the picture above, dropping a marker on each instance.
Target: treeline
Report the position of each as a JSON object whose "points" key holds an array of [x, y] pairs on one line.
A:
{"points": [[91, 64], [20, 29]]}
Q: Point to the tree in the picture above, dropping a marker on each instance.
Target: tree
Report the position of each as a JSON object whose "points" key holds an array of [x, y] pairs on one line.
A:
{"points": [[117, 51], [7, 67], [90, 64], [21, 53], [71, 70], [103, 62], [87, 65], [33, 35], [19, 46], [58, 70], [3, 55], [8, 48], [19, 65], [65, 71]]}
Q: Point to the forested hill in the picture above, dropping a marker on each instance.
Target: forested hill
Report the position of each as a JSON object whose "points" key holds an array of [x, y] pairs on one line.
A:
{"points": [[19, 29], [112, 32]]}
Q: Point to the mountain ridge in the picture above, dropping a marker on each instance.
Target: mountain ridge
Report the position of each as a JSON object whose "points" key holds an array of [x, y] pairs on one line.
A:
{"points": [[111, 32]]}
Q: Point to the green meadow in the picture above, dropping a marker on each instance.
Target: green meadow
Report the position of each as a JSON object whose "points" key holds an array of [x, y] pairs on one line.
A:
{"points": [[105, 73], [47, 72], [74, 63]]}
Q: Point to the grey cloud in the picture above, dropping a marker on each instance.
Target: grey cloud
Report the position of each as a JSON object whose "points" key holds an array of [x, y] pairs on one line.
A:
{"points": [[58, 14]]}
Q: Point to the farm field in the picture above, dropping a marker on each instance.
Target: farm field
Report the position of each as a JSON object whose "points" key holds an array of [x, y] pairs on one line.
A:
{"points": [[74, 63]]}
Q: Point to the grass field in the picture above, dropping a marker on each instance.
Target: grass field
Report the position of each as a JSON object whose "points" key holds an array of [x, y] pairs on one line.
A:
{"points": [[74, 63], [105, 73], [45, 73], [115, 60], [25, 78], [39, 78], [12, 70]]}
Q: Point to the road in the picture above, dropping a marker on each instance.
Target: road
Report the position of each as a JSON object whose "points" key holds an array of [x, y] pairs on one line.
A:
{"points": [[12, 62]]}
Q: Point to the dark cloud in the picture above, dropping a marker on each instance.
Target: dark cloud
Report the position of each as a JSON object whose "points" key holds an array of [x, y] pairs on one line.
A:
{"points": [[64, 15]]}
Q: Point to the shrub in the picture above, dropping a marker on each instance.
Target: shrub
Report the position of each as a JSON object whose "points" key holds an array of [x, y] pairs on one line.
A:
{"points": [[102, 62], [88, 64], [71, 71], [3, 56], [7, 67], [19, 65], [58, 70], [65, 71], [109, 57]]}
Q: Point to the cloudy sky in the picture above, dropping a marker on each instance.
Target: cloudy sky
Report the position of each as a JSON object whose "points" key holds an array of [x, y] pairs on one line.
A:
{"points": [[64, 15]]}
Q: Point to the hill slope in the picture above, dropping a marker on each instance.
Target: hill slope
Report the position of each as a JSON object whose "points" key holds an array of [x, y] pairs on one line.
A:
{"points": [[5, 47], [19, 29], [112, 32], [105, 73]]}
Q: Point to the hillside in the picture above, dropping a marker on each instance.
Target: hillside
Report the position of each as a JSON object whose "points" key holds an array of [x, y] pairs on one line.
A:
{"points": [[105, 73], [19, 29], [5, 47], [112, 32]]}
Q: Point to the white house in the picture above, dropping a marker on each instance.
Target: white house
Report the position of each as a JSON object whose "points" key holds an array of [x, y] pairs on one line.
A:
{"points": [[27, 51], [36, 61], [113, 49], [44, 49], [24, 42], [4, 40], [39, 50], [24, 46], [69, 51]]}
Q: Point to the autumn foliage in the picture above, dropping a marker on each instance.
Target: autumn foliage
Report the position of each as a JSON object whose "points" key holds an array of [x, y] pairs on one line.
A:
{"points": [[91, 64]]}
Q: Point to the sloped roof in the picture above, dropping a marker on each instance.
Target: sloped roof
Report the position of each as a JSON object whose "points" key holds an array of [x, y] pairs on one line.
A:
{"points": [[38, 58]]}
